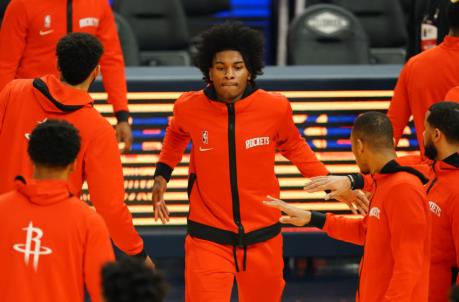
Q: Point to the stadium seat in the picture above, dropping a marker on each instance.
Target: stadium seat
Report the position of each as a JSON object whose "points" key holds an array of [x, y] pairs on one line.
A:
{"points": [[205, 7], [160, 28], [384, 23], [327, 34], [128, 41]]}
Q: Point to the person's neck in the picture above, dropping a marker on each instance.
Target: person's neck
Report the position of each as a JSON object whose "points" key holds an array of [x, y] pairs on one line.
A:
{"points": [[380, 159], [46, 173], [446, 151]]}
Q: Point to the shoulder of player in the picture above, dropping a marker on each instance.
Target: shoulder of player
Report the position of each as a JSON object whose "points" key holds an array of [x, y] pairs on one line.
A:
{"points": [[20, 85], [272, 100], [91, 122], [404, 182], [76, 204], [9, 198], [189, 97]]}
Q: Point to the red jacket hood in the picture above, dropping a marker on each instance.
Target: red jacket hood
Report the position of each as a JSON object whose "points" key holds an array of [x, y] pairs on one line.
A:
{"points": [[56, 96], [43, 192]]}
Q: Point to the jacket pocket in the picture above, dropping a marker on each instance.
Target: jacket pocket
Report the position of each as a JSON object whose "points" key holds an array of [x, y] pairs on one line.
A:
{"points": [[191, 180]]}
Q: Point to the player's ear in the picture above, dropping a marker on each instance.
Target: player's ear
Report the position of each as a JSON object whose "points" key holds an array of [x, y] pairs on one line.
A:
{"points": [[436, 134]]}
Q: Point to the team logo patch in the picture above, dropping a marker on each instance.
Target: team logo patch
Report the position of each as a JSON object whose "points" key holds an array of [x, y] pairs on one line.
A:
{"points": [[435, 208], [374, 212], [205, 137], [47, 21], [32, 246], [86, 22], [256, 142]]}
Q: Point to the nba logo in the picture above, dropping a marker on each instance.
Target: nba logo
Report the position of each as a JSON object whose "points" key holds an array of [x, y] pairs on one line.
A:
{"points": [[205, 137], [47, 21]]}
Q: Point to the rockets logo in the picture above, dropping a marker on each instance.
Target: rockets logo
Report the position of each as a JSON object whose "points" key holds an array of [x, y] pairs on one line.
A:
{"points": [[32, 246]]}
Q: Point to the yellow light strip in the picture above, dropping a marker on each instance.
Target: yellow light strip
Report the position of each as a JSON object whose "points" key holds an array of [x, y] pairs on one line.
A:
{"points": [[289, 94], [287, 169], [296, 106], [310, 206], [181, 221], [339, 94], [291, 194], [152, 222]]}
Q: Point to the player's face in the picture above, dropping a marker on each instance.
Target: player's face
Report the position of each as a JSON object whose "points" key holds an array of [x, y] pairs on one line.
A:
{"points": [[229, 75]]}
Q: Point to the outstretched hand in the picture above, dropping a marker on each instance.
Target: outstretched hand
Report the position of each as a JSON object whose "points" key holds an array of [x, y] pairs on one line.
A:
{"points": [[295, 216]]}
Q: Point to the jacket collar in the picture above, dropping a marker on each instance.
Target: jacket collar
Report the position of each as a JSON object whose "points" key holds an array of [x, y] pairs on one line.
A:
{"points": [[44, 192], [450, 42], [393, 167], [448, 164], [56, 96], [452, 160]]}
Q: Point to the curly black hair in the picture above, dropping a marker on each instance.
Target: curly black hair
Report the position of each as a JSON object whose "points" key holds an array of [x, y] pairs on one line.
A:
{"points": [[77, 56], [445, 116], [231, 36], [129, 280], [54, 143]]}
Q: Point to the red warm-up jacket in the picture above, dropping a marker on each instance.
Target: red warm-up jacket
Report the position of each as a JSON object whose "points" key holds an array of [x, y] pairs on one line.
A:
{"points": [[52, 244], [395, 235], [443, 198], [24, 104], [232, 161], [31, 29], [424, 80]]}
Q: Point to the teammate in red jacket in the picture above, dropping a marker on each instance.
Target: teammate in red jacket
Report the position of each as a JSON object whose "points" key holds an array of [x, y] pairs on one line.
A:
{"points": [[396, 231], [235, 129], [31, 29], [24, 103], [425, 80], [52, 243], [441, 141]]}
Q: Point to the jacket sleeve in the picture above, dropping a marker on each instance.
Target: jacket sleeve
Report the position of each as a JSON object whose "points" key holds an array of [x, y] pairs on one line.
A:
{"points": [[174, 145], [4, 99], [13, 35], [399, 110], [98, 251], [112, 62], [291, 145], [104, 174], [352, 230], [407, 215]]}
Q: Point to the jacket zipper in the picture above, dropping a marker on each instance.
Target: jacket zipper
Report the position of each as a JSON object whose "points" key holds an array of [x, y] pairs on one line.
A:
{"points": [[69, 16], [233, 171]]}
